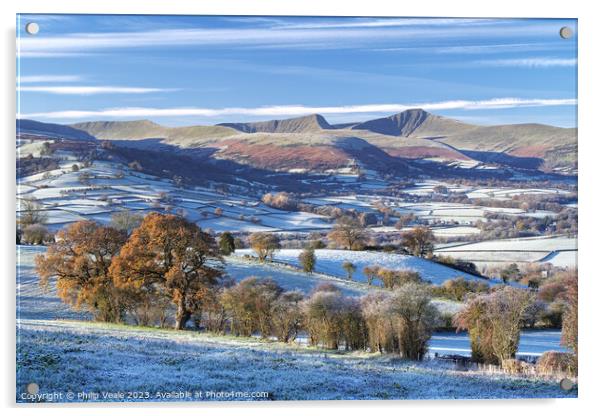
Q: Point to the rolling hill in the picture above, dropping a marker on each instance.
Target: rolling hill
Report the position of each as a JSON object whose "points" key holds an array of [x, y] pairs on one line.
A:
{"points": [[146, 129], [311, 143], [52, 130]]}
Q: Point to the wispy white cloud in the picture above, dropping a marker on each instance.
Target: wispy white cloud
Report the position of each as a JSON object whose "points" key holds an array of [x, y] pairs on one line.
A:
{"points": [[530, 62], [53, 54], [299, 110], [45, 17], [494, 48], [348, 35], [34, 79], [379, 22], [89, 90]]}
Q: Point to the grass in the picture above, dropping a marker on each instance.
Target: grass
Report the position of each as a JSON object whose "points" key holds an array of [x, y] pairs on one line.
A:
{"points": [[77, 356]]}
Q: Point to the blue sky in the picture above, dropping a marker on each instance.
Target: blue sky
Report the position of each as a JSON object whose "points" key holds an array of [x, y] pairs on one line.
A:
{"points": [[182, 70]]}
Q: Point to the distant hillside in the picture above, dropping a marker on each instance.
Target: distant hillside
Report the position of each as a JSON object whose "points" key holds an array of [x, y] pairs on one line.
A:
{"points": [[311, 123], [52, 130], [146, 129], [416, 122], [519, 139], [311, 143], [529, 145]]}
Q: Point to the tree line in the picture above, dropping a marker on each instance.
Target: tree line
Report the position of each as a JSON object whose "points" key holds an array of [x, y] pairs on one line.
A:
{"points": [[163, 268]]}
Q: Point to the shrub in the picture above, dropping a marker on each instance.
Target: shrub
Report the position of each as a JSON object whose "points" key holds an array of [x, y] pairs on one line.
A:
{"points": [[550, 291], [404, 220], [281, 200], [406, 276], [414, 318], [332, 319], [249, 305], [401, 322], [35, 234], [552, 362], [396, 278], [287, 316], [458, 288], [213, 315], [226, 243], [307, 259], [317, 244], [551, 316], [349, 268], [570, 317], [379, 325], [511, 273], [494, 322], [353, 326], [325, 287]]}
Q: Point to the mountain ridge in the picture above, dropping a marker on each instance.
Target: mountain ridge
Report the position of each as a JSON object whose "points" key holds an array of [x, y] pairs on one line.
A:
{"points": [[410, 134], [302, 124]]}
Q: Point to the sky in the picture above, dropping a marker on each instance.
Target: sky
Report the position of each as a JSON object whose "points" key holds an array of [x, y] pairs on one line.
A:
{"points": [[185, 70]]}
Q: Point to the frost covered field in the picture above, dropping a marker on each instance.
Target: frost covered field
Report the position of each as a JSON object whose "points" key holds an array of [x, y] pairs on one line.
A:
{"points": [[88, 357], [559, 251], [63, 353], [291, 279], [112, 187], [330, 262]]}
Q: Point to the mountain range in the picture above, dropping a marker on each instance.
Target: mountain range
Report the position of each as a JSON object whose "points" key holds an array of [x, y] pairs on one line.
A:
{"points": [[311, 143]]}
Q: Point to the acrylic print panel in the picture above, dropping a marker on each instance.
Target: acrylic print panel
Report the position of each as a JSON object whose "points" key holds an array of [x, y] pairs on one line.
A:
{"points": [[295, 208]]}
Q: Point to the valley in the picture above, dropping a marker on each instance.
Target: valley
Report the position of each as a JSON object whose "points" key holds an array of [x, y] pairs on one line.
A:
{"points": [[494, 222]]}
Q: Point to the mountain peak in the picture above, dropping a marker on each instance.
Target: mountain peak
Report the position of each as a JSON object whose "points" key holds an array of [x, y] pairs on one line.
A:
{"points": [[311, 122], [400, 124]]}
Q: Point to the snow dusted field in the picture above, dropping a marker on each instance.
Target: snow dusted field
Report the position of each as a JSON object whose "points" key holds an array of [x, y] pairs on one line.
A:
{"points": [[330, 262], [112, 187], [506, 194], [291, 279], [560, 251], [64, 354], [88, 357]]}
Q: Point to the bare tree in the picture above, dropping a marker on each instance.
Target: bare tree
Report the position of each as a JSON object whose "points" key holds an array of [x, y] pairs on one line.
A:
{"points": [[32, 213], [419, 241], [348, 233], [264, 245]]}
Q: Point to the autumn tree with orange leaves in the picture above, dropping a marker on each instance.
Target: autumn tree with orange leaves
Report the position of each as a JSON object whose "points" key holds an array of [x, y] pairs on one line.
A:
{"points": [[80, 259], [172, 257]]}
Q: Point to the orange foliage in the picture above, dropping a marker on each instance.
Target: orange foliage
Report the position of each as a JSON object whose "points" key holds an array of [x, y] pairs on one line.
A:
{"points": [[171, 257], [80, 259]]}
